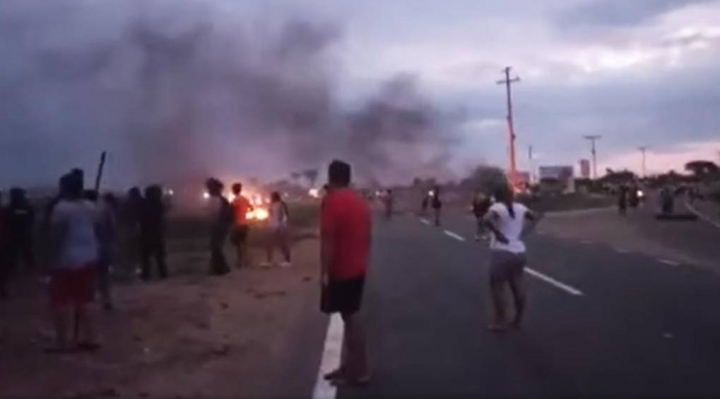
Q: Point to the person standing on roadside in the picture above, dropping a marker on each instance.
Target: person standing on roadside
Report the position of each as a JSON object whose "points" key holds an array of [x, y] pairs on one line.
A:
{"points": [[436, 205], [221, 219], [72, 266], [346, 225], [278, 230], [107, 235], [22, 225], [152, 232], [507, 219], [130, 214], [241, 229]]}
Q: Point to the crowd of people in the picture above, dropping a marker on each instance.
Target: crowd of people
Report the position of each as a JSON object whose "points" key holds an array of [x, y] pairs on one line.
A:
{"points": [[83, 237], [82, 231]]}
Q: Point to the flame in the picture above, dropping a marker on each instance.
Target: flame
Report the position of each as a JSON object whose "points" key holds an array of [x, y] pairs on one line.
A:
{"points": [[258, 214]]}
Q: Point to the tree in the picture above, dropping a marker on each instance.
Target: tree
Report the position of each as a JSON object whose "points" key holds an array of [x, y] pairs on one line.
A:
{"points": [[702, 169], [311, 175]]}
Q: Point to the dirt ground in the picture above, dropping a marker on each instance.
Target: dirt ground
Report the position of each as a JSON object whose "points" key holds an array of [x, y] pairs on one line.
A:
{"points": [[189, 336]]}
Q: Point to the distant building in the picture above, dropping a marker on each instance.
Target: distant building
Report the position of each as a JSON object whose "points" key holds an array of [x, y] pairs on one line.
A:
{"points": [[559, 172], [558, 178], [585, 168]]}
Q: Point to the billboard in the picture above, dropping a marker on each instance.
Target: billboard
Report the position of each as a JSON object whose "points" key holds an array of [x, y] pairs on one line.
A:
{"points": [[585, 168], [558, 172]]}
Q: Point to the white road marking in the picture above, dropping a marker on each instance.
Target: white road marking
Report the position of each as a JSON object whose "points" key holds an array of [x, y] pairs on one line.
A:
{"points": [[669, 262], [570, 290], [425, 221], [702, 215], [453, 235], [330, 359]]}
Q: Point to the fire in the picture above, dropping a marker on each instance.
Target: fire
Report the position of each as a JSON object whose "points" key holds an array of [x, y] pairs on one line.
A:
{"points": [[313, 192], [258, 214]]}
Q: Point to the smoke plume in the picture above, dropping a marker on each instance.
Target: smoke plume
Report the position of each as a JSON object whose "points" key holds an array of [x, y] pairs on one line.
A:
{"points": [[181, 90]]}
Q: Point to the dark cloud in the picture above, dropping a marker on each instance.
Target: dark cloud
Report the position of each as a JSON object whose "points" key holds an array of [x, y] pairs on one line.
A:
{"points": [[619, 13], [182, 91]]}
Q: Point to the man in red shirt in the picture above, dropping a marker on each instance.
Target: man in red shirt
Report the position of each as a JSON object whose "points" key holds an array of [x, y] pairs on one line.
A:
{"points": [[345, 253], [241, 207]]}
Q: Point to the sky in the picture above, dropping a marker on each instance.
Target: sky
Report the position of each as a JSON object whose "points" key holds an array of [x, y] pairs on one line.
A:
{"points": [[636, 72]]}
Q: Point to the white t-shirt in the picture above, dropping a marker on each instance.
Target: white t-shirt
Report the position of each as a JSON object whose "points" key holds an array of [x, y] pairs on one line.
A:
{"points": [[80, 245], [278, 216], [511, 227]]}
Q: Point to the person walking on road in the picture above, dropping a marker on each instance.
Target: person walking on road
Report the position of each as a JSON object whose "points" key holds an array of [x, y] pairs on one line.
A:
{"points": [[436, 205], [388, 202], [623, 200], [152, 232], [506, 219], [241, 207], [345, 253], [278, 230]]}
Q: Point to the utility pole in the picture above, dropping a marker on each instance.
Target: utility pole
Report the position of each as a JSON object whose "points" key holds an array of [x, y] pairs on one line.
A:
{"points": [[643, 149], [593, 139], [511, 129], [532, 166]]}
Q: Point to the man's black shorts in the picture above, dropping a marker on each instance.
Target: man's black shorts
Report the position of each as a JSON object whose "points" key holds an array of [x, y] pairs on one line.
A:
{"points": [[344, 296], [239, 234]]}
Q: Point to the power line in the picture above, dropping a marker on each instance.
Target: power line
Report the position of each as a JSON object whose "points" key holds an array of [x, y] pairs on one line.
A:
{"points": [[511, 129], [593, 150]]}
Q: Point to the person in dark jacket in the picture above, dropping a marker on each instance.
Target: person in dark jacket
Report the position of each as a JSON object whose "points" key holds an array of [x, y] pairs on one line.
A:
{"points": [[152, 232], [22, 223], [221, 221]]}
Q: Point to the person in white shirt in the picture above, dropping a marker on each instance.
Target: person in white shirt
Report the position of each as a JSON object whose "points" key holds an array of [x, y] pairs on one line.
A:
{"points": [[507, 220], [74, 225], [278, 229]]}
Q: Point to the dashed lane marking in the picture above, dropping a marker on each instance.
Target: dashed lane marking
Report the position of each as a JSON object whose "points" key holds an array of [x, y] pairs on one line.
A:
{"points": [[453, 235], [557, 284]]}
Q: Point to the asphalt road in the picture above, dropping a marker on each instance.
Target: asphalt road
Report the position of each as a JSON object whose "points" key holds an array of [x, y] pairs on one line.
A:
{"points": [[640, 327]]}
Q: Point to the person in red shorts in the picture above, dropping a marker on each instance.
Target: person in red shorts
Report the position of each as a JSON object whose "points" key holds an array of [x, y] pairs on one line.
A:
{"points": [[345, 253], [74, 225]]}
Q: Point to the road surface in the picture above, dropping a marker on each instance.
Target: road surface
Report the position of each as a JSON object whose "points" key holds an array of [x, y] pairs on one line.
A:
{"points": [[600, 321]]}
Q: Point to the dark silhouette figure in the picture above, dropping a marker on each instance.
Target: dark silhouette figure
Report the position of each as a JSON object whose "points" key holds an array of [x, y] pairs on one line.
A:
{"points": [[152, 232], [222, 216], [22, 222], [623, 200], [436, 205]]}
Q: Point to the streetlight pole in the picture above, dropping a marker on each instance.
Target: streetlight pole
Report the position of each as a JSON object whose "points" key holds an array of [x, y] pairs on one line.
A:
{"points": [[593, 139], [511, 129]]}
